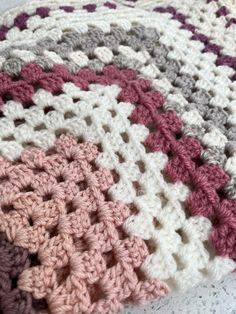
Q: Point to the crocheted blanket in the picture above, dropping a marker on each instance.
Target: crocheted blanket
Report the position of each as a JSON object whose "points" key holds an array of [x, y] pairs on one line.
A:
{"points": [[117, 152]]}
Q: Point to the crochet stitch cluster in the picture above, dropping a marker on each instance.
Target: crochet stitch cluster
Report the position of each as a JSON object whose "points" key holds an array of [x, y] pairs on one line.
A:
{"points": [[117, 152]]}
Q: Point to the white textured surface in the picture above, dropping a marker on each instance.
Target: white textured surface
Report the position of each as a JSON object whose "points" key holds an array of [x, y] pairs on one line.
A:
{"points": [[208, 298], [7, 4], [211, 298]]}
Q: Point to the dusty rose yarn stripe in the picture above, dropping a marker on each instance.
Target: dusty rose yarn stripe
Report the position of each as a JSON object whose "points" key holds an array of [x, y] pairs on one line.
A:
{"points": [[117, 152], [183, 166]]}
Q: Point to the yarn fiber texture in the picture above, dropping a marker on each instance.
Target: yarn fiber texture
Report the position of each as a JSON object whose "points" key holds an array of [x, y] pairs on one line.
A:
{"points": [[117, 152]]}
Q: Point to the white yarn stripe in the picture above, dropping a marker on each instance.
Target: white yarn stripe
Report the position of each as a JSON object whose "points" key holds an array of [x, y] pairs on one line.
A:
{"points": [[180, 242], [210, 77], [204, 17], [207, 22], [212, 138], [216, 80]]}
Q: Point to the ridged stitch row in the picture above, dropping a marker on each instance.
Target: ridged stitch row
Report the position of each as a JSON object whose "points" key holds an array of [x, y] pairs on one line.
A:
{"points": [[197, 99], [208, 178], [117, 152], [59, 212]]}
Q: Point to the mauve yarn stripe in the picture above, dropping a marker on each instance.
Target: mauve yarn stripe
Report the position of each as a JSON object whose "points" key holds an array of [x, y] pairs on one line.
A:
{"points": [[90, 7], [222, 11], [14, 260], [231, 21], [185, 164], [222, 59], [186, 84], [110, 5], [67, 8], [20, 20]]}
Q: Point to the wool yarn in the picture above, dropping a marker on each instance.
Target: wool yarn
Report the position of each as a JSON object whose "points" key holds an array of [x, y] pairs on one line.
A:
{"points": [[117, 152]]}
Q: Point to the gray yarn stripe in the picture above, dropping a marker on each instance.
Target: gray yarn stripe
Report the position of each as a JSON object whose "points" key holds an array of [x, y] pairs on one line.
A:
{"points": [[140, 39]]}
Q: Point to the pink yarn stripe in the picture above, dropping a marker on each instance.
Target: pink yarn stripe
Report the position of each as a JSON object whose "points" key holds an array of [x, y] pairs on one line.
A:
{"points": [[54, 204], [185, 165]]}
